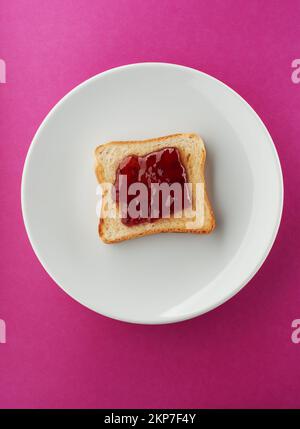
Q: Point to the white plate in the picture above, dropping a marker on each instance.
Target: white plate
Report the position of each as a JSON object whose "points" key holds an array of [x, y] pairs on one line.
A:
{"points": [[161, 278]]}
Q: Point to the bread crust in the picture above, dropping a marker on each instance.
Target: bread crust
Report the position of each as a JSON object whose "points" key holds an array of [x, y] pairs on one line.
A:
{"points": [[99, 171]]}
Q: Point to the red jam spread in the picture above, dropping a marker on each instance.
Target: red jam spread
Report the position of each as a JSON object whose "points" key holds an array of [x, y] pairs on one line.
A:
{"points": [[161, 167]]}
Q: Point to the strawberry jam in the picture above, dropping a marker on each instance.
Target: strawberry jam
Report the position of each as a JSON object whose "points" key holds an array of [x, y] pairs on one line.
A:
{"points": [[139, 183]]}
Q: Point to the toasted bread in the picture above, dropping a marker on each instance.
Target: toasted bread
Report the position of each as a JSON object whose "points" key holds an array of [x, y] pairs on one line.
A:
{"points": [[192, 154]]}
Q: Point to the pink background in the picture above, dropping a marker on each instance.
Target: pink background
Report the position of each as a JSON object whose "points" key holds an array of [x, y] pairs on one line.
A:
{"points": [[60, 354]]}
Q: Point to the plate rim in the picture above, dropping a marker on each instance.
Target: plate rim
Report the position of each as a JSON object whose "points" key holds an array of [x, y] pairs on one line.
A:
{"points": [[254, 270]]}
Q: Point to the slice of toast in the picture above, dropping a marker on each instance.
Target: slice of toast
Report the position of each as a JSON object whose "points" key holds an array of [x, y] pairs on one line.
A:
{"points": [[192, 155]]}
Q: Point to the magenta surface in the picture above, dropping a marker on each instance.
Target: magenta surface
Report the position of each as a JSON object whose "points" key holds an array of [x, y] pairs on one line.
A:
{"points": [[60, 354]]}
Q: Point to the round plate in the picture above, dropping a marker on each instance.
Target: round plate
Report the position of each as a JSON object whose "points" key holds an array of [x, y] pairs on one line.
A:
{"points": [[167, 277]]}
